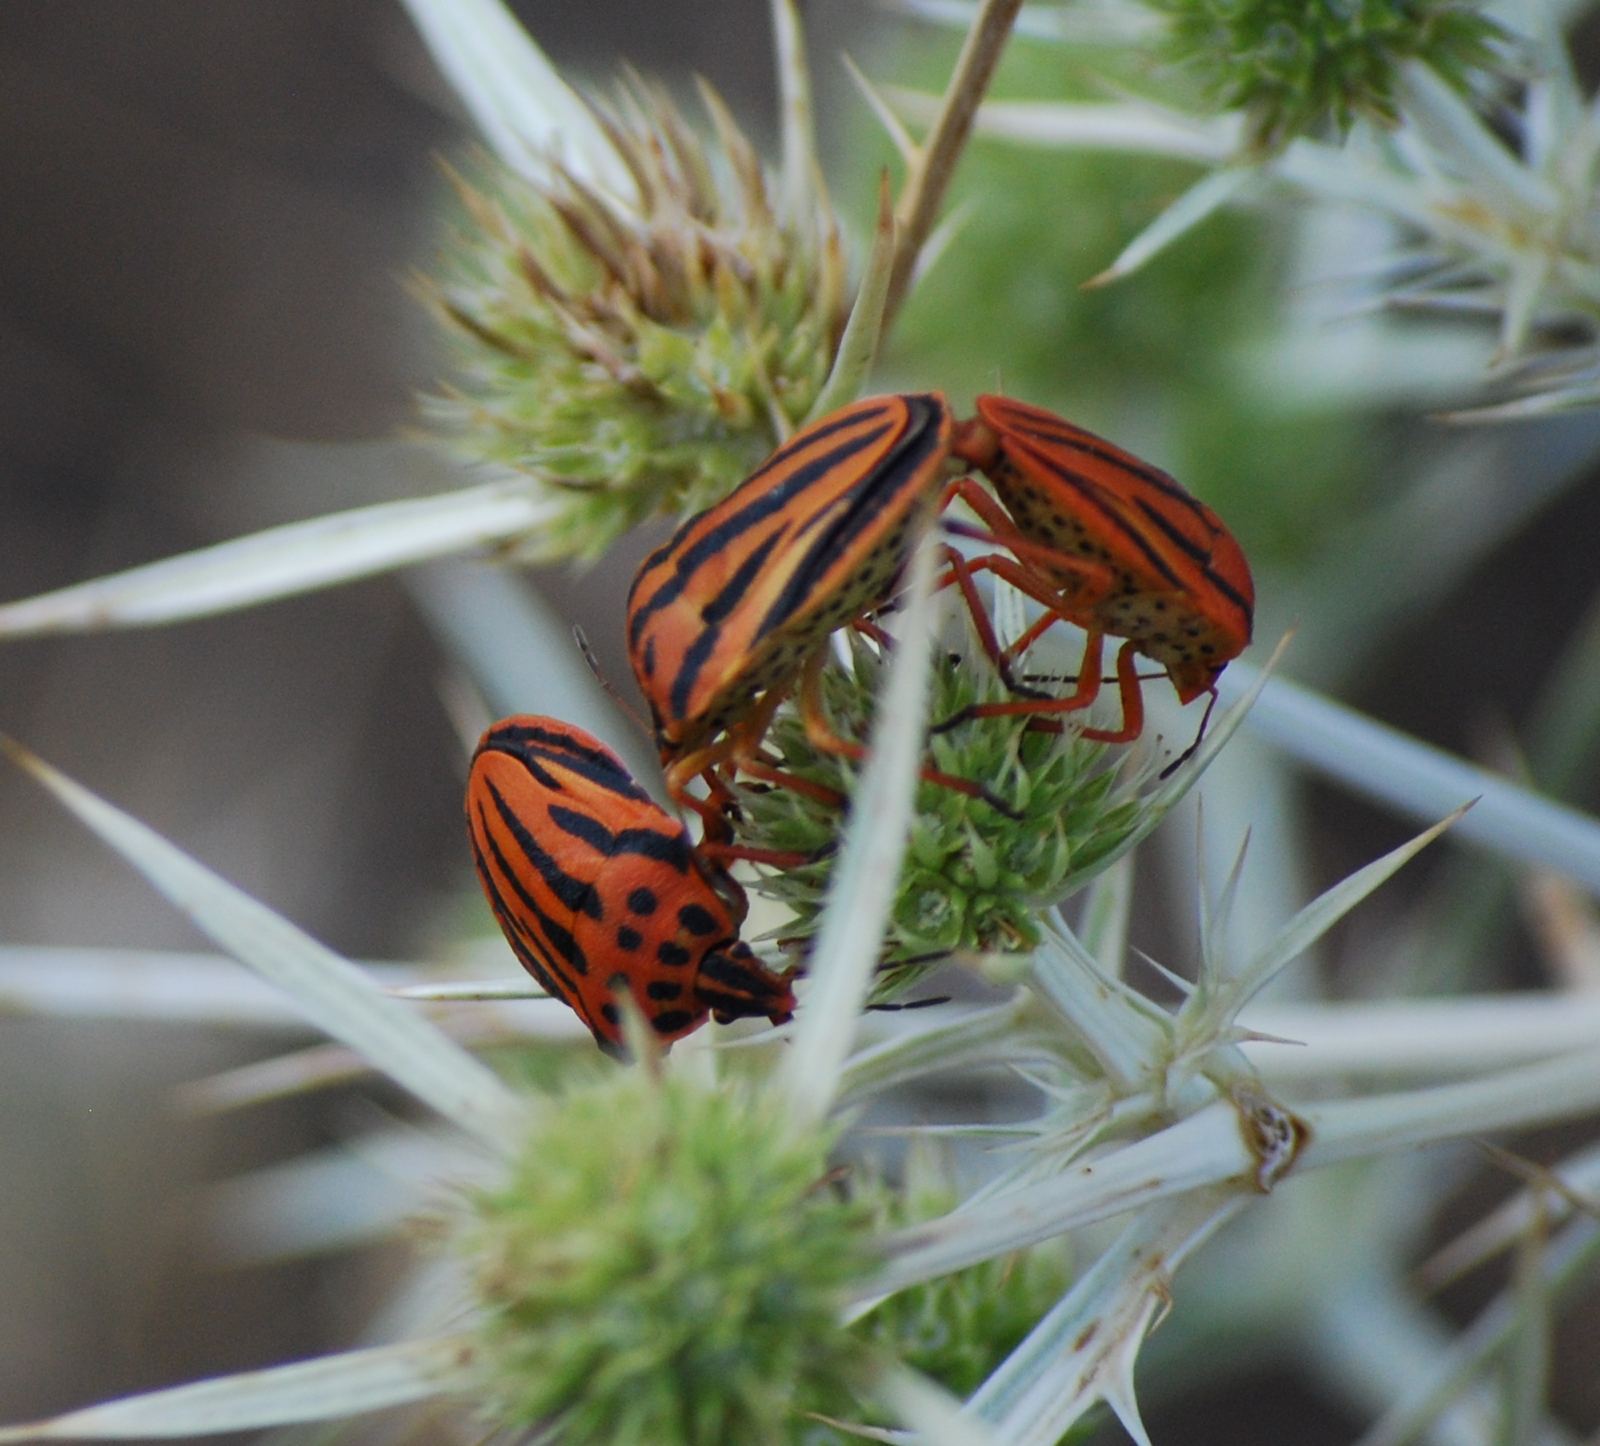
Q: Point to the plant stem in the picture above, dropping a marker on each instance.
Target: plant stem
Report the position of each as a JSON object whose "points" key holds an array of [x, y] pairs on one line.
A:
{"points": [[941, 149]]}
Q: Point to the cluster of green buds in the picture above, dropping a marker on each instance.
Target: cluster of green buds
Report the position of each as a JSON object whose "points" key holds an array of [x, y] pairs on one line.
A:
{"points": [[667, 1263], [976, 875], [641, 356], [670, 1261], [1311, 67]]}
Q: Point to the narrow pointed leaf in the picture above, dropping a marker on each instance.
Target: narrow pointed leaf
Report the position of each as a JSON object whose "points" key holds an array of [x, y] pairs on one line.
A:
{"points": [[1201, 200], [1207, 1148], [333, 993], [1323, 912], [1418, 780], [1106, 912], [885, 116], [1066, 1363], [527, 113], [802, 175], [318, 1390], [934, 1415], [284, 561], [862, 893], [858, 347]]}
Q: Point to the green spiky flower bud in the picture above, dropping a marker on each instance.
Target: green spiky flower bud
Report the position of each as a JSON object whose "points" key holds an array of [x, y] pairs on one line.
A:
{"points": [[975, 877], [1311, 67], [667, 1264], [637, 358]]}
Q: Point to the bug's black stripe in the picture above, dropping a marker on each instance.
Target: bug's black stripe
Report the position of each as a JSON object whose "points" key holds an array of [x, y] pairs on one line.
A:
{"points": [[531, 746], [705, 644], [876, 492], [742, 519], [695, 657], [1091, 491], [670, 1021], [533, 952], [574, 894], [1163, 482], [1185, 544], [1203, 557], [744, 989], [733, 591], [555, 941], [671, 849]]}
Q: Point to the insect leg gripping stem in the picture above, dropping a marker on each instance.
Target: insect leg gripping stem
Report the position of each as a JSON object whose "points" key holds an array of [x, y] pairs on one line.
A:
{"points": [[820, 734]]}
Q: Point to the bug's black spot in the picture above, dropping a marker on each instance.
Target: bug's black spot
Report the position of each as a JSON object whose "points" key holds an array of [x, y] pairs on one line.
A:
{"points": [[697, 919], [629, 939], [619, 983], [642, 901], [1207, 649], [611, 1014], [671, 1021], [663, 989], [674, 956]]}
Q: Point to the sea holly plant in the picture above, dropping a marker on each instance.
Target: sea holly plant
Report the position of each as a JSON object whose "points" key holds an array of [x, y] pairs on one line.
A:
{"points": [[704, 1275], [743, 1260], [1465, 135]]}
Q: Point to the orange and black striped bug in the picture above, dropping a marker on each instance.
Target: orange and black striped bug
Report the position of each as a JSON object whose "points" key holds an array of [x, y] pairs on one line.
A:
{"points": [[726, 616], [1130, 553], [600, 893]]}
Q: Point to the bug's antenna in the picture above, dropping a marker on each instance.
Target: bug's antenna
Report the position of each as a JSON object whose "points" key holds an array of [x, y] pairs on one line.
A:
{"points": [[582, 640]]}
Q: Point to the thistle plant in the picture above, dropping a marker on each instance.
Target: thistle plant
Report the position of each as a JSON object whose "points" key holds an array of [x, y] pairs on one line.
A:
{"points": [[720, 1246], [1400, 109]]}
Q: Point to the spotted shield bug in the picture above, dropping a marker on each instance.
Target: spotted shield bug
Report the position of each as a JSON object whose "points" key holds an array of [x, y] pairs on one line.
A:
{"points": [[599, 892]]}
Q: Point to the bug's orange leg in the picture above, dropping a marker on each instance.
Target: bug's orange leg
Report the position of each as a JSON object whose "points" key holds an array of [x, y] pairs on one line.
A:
{"points": [[1132, 700], [758, 769], [725, 853], [1087, 690], [822, 737], [869, 629]]}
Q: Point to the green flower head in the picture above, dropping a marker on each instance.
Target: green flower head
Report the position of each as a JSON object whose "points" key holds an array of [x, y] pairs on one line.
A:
{"points": [[636, 359], [976, 874], [666, 1266], [1311, 67]]}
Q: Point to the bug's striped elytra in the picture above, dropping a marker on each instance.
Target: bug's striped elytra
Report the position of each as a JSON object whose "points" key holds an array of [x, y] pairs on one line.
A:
{"points": [[1142, 559], [599, 891], [724, 616]]}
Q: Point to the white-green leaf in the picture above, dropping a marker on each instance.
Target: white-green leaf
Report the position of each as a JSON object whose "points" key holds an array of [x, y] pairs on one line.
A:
{"points": [[284, 561], [850, 934], [318, 1390], [1417, 779], [527, 113], [333, 993], [858, 347], [1323, 912], [1083, 1351], [1207, 196]]}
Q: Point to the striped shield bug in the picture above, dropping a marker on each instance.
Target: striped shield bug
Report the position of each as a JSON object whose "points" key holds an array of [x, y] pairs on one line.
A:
{"points": [[1139, 558], [724, 617], [600, 893]]}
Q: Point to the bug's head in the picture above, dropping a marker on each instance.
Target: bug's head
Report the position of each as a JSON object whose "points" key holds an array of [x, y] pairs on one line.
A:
{"points": [[733, 984], [976, 443]]}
